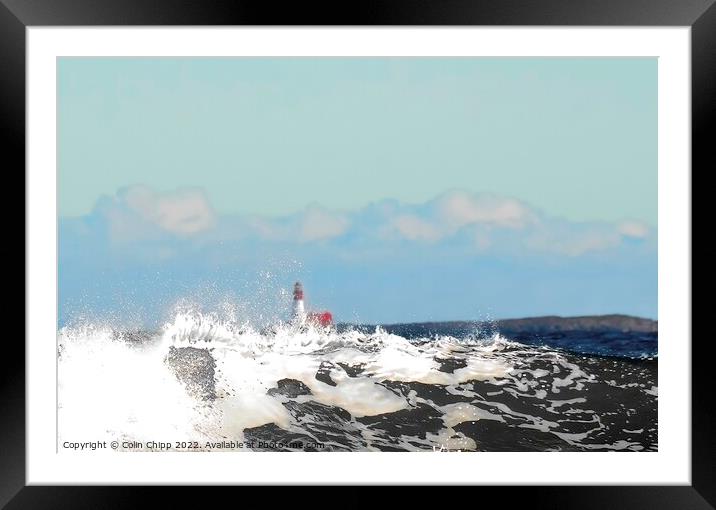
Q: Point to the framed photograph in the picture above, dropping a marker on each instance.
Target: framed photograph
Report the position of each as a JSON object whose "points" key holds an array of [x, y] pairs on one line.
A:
{"points": [[427, 245]]}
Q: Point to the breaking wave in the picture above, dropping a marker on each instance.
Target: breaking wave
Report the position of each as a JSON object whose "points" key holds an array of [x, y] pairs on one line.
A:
{"points": [[203, 382]]}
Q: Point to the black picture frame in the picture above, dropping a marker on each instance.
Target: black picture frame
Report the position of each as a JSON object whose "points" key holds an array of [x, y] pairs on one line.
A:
{"points": [[17, 15]]}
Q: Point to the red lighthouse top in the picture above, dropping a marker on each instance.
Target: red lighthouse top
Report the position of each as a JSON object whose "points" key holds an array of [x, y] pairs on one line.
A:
{"points": [[297, 291]]}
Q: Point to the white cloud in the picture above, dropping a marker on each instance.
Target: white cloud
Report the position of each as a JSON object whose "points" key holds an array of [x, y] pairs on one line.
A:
{"points": [[562, 237], [312, 224], [457, 209], [138, 212], [318, 224], [471, 223], [414, 229], [633, 228]]}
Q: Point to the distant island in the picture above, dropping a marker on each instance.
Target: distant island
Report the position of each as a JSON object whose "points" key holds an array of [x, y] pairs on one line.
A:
{"points": [[553, 323], [546, 324]]}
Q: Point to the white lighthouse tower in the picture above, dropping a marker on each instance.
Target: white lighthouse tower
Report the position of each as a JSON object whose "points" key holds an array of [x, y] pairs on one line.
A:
{"points": [[299, 310]]}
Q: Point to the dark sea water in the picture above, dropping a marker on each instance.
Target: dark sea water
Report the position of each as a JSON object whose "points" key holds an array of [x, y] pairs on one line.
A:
{"points": [[608, 342], [215, 384]]}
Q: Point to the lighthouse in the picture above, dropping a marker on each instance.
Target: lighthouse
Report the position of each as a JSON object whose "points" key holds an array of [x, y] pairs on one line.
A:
{"points": [[300, 316], [299, 310]]}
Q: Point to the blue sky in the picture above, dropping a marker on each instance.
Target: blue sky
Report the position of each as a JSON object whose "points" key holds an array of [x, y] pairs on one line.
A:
{"points": [[397, 189]]}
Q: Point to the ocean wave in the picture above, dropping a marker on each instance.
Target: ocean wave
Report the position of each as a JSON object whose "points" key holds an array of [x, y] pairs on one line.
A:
{"points": [[208, 378]]}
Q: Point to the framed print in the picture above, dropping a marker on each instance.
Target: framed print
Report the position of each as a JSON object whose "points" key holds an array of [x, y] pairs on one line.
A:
{"points": [[413, 250]]}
